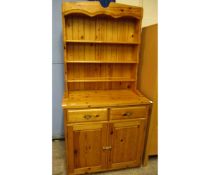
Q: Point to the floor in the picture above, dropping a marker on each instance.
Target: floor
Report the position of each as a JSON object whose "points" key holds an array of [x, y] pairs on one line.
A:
{"points": [[59, 163]]}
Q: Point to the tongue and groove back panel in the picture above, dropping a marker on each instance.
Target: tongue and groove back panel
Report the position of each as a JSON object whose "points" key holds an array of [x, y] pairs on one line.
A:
{"points": [[101, 48], [101, 28]]}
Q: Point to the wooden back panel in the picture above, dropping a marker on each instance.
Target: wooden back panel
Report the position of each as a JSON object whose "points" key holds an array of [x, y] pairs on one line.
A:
{"points": [[100, 28]]}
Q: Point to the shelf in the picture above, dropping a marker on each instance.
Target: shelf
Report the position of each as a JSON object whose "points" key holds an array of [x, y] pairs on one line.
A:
{"points": [[101, 79], [93, 98], [117, 62], [100, 42]]}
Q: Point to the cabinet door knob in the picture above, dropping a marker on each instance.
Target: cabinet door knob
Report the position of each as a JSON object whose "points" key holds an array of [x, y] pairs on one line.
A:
{"points": [[127, 114], [87, 116]]}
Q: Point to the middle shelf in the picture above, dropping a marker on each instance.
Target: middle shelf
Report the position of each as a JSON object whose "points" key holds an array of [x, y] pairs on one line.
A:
{"points": [[100, 53]]}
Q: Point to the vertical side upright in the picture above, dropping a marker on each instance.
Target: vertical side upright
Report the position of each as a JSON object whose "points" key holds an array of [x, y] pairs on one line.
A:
{"points": [[138, 34], [64, 55]]}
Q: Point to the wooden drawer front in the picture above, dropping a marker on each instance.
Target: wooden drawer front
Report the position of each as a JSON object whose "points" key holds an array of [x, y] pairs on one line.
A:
{"points": [[128, 112], [87, 115]]}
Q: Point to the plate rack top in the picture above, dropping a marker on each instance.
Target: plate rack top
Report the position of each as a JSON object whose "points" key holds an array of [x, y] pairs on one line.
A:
{"points": [[101, 54]]}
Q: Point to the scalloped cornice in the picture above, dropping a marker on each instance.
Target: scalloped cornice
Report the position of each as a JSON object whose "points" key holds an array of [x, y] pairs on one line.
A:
{"points": [[114, 10]]}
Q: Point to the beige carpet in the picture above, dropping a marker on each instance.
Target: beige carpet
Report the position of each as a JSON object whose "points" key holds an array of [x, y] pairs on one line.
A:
{"points": [[59, 164]]}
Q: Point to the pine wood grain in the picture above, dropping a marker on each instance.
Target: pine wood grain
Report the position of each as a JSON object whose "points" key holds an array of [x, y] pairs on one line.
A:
{"points": [[101, 56], [86, 147], [87, 115], [87, 99], [100, 39], [127, 142], [100, 52], [94, 8], [129, 112], [100, 85]]}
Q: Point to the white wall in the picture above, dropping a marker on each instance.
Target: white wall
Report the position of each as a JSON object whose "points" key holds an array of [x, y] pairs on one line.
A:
{"points": [[130, 2], [150, 10]]}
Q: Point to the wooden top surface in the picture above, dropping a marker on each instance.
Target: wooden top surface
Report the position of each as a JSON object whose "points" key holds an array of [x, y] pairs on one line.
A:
{"points": [[103, 98], [94, 8]]}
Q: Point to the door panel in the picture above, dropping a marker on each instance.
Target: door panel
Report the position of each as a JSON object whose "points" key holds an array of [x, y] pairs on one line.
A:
{"points": [[87, 142], [127, 140], [87, 148]]}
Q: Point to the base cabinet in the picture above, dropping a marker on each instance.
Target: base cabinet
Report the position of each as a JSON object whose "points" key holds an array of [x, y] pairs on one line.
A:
{"points": [[104, 145]]}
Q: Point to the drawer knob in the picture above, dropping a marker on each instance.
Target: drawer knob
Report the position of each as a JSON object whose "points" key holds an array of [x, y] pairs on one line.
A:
{"points": [[87, 117], [107, 147], [127, 114]]}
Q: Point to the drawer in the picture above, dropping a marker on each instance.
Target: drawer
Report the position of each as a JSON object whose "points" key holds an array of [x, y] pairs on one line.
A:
{"points": [[129, 112], [85, 115]]}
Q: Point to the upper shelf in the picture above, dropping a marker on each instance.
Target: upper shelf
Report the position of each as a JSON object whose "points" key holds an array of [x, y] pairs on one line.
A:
{"points": [[101, 42], [91, 9]]}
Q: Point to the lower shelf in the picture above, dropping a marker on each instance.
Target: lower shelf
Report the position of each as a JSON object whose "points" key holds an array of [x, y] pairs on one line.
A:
{"points": [[102, 79], [98, 98]]}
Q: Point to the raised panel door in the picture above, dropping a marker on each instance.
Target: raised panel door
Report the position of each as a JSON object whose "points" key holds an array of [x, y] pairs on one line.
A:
{"points": [[127, 142], [86, 142]]}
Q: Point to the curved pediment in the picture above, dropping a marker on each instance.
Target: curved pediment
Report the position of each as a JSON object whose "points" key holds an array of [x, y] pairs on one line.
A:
{"points": [[91, 9]]}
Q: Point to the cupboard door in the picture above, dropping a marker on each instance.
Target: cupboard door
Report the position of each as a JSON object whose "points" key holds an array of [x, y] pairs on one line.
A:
{"points": [[86, 142], [127, 142]]}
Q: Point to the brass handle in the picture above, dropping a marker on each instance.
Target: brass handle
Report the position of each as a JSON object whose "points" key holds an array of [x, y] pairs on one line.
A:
{"points": [[127, 114], [87, 117], [107, 147]]}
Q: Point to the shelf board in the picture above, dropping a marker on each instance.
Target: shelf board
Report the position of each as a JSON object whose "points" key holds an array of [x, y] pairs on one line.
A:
{"points": [[101, 79], [102, 98], [100, 42], [120, 62]]}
